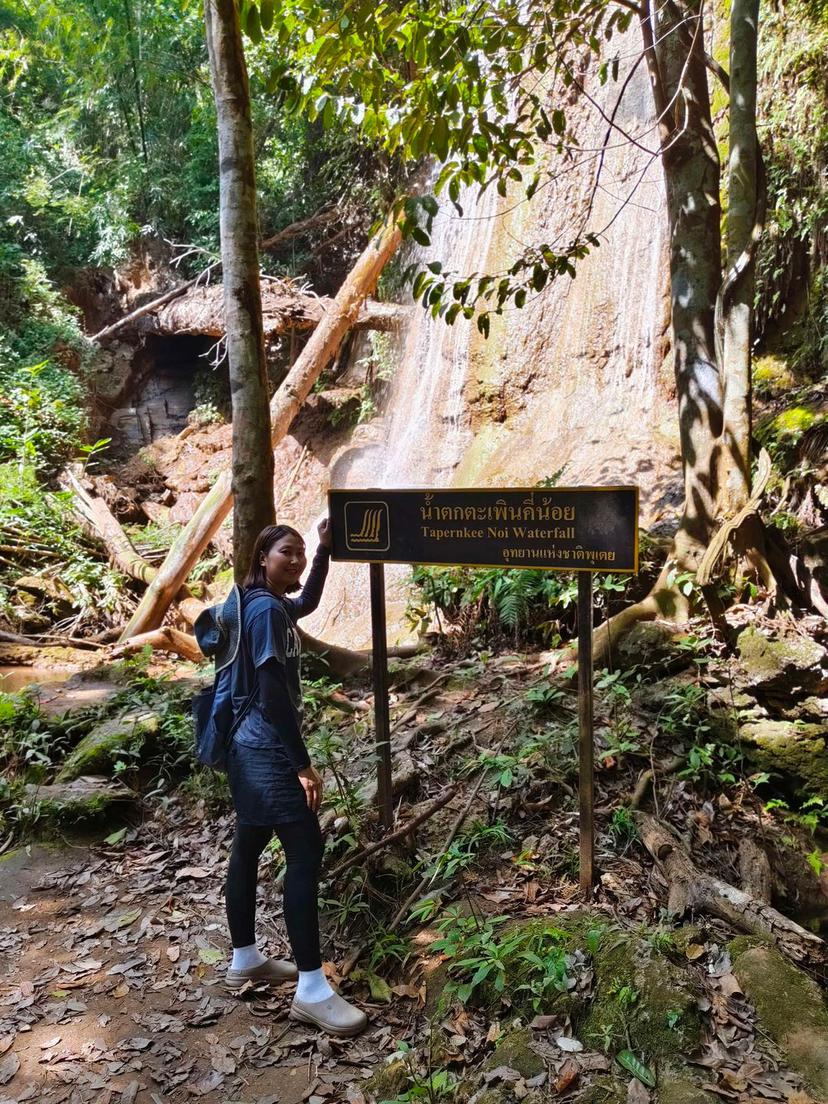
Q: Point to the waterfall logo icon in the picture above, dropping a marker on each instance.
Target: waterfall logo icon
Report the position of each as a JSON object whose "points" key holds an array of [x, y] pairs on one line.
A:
{"points": [[367, 526]]}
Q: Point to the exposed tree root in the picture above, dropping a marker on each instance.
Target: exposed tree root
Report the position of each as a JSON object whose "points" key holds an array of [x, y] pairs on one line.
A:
{"points": [[662, 601], [691, 888]]}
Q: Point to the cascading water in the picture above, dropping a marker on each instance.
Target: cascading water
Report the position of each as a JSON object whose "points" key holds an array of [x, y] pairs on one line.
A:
{"points": [[574, 382]]}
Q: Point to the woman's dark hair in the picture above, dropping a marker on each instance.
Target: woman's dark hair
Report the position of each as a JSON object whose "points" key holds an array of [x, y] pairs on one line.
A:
{"points": [[255, 576]]}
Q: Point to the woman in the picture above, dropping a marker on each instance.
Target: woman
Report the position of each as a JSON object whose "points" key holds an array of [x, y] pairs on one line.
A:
{"points": [[275, 788]]}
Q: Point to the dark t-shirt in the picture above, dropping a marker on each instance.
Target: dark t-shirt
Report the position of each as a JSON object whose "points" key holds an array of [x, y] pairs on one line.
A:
{"points": [[268, 662]]}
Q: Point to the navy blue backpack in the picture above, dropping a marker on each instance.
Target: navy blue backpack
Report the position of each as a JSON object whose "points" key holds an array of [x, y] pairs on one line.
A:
{"points": [[218, 631]]}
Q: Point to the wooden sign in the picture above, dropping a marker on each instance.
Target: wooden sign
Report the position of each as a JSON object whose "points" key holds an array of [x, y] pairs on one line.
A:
{"points": [[583, 529], [557, 529]]}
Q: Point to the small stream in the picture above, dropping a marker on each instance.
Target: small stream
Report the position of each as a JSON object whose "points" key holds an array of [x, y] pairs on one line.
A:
{"points": [[13, 679]]}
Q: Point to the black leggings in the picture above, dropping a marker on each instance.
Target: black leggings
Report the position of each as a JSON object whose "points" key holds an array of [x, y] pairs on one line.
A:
{"points": [[302, 843]]}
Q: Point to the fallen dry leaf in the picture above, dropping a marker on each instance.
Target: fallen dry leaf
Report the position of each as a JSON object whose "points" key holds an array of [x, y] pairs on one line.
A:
{"points": [[567, 1075], [192, 872], [8, 1068], [637, 1093]]}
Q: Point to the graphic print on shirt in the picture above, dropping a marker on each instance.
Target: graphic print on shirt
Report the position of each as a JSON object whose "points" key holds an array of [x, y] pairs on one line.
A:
{"points": [[293, 643]]}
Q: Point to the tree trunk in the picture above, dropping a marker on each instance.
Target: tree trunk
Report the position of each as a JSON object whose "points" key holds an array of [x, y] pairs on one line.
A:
{"points": [[252, 473], [691, 172], [315, 356], [742, 197]]}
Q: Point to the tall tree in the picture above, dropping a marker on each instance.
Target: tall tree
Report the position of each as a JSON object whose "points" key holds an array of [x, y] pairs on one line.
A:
{"points": [[744, 223], [252, 477]]}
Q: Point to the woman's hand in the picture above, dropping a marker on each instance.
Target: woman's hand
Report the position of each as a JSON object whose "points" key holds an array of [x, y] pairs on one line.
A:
{"points": [[311, 781], [324, 531]]}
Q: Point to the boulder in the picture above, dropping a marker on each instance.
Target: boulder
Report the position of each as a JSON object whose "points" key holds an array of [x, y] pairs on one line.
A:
{"points": [[793, 748], [786, 665], [95, 753], [790, 1008], [651, 642], [81, 799]]}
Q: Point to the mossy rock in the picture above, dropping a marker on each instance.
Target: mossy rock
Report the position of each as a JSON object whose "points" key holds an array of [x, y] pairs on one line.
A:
{"points": [[82, 799], [792, 747], [790, 1009], [514, 1049], [96, 752], [676, 1087], [603, 1090], [643, 997], [772, 376], [652, 641], [789, 664], [388, 1080]]}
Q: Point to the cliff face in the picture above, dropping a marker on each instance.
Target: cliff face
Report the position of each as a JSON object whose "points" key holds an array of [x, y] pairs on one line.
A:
{"points": [[578, 383]]}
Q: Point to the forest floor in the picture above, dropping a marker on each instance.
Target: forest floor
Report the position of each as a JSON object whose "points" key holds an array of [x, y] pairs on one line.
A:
{"points": [[114, 946]]}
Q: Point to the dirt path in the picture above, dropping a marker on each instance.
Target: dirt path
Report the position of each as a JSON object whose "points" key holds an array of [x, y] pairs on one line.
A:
{"points": [[110, 986]]}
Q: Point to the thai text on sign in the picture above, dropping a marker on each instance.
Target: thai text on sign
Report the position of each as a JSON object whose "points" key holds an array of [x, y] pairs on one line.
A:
{"points": [[558, 529]]}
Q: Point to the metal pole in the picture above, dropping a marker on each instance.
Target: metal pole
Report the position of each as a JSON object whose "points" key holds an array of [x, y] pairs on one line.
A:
{"points": [[585, 775], [382, 726]]}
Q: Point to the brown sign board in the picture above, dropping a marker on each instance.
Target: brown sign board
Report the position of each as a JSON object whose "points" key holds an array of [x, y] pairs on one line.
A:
{"points": [[556, 529]]}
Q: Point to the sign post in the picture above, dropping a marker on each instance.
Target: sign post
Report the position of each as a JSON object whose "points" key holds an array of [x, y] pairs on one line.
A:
{"points": [[382, 726], [586, 788], [578, 529]]}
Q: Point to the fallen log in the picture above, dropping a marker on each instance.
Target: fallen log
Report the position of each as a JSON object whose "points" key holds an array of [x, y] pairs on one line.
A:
{"points": [[153, 305], [166, 639], [285, 306], [316, 355], [693, 889], [97, 521], [322, 217]]}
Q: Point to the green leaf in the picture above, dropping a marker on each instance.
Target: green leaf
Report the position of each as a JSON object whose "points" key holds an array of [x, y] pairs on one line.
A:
{"points": [[210, 955], [558, 121], [266, 14], [420, 236], [115, 837], [253, 24], [628, 1060]]}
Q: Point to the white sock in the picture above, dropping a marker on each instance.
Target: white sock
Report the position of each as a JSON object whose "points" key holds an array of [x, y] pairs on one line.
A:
{"points": [[246, 958], [313, 986]]}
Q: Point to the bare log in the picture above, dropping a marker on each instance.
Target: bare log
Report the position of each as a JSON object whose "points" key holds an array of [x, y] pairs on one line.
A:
{"points": [[315, 356], [285, 306], [97, 521], [755, 870], [322, 217], [166, 639], [153, 305], [692, 888]]}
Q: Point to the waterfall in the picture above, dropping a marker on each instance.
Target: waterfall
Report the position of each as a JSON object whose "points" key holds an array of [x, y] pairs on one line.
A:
{"points": [[574, 381]]}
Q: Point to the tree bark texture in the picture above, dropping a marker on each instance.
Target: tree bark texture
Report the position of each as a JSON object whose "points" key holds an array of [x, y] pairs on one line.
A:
{"points": [[742, 202], [691, 172], [200, 310], [252, 472], [316, 355]]}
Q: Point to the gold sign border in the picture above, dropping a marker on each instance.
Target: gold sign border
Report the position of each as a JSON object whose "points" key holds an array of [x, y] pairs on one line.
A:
{"points": [[494, 490]]}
